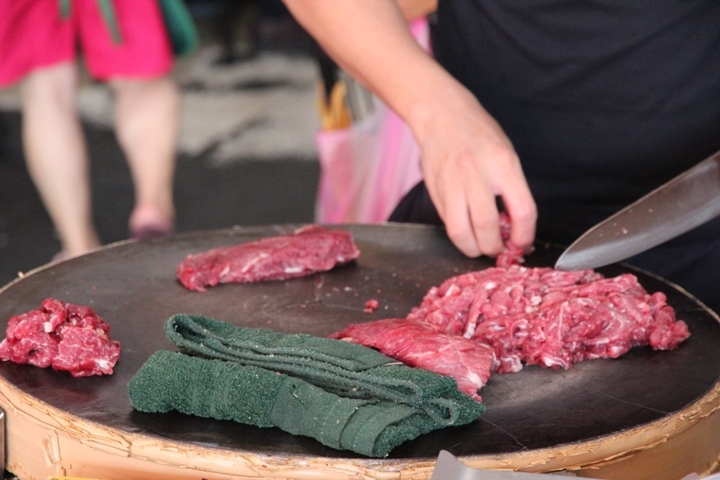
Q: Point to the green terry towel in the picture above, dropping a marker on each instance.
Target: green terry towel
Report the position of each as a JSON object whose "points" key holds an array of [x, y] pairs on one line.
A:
{"points": [[344, 368], [226, 390]]}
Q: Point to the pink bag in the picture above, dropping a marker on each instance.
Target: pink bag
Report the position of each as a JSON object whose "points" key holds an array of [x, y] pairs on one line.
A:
{"points": [[366, 169]]}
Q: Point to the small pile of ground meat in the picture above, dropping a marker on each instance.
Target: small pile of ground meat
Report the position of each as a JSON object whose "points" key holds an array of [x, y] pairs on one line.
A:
{"points": [[307, 250], [63, 336], [524, 316]]}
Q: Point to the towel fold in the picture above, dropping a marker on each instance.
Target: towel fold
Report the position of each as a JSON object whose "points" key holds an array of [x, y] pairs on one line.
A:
{"points": [[342, 394], [343, 368], [227, 390]]}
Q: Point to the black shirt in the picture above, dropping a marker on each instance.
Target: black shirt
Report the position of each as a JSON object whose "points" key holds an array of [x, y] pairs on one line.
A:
{"points": [[603, 99]]}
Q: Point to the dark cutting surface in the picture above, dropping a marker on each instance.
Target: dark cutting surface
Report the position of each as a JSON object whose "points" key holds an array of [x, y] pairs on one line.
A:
{"points": [[132, 286]]}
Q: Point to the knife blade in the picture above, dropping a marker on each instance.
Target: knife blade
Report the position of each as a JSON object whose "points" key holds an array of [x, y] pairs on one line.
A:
{"points": [[448, 467], [683, 203]]}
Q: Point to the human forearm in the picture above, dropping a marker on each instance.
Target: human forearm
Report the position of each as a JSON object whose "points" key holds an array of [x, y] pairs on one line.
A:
{"points": [[467, 159], [413, 9], [370, 40]]}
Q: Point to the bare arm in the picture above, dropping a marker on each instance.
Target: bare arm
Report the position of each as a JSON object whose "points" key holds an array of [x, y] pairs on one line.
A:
{"points": [[413, 9], [467, 159]]}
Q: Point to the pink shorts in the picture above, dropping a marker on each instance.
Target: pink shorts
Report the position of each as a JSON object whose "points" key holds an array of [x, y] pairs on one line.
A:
{"points": [[33, 35]]}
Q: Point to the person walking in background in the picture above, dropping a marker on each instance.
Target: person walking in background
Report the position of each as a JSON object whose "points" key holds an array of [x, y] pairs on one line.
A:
{"points": [[124, 43]]}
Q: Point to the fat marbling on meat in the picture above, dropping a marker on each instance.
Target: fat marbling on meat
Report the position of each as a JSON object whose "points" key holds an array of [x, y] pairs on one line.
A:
{"points": [[308, 250], [420, 345], [546, 317]]}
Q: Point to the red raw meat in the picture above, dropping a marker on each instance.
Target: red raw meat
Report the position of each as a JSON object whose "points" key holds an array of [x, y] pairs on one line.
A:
{"points": [[308, 250], [532, 316], [419, 345], [371, 305], [62, 335], [511, 254], [542, 316]]}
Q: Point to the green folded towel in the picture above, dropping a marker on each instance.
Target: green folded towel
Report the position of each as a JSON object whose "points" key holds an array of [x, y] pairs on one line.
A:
{"points": [[226, 390], [344, 368]]}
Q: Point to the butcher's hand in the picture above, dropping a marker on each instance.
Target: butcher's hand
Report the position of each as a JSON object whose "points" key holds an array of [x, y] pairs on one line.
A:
{"points": [[468, 161]]}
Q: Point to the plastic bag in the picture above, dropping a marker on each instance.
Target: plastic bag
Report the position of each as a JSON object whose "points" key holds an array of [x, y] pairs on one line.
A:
{"points": [[366, 168]]}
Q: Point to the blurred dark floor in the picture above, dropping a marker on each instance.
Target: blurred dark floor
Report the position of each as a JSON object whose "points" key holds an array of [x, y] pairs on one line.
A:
{"points": [[208, 195]]}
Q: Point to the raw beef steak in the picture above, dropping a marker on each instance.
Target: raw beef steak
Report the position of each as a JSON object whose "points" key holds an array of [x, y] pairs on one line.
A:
{"points": [[62, 335], [420, 345], [308, 250]]}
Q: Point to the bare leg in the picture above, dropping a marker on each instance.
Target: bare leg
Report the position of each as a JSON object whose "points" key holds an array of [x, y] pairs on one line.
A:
{"points": [[56, 155], [147, 119]]}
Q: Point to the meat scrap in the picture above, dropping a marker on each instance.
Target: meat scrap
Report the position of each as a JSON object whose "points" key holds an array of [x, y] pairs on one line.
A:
{"points": [[371, 305], [63, 336], [308, 250]]}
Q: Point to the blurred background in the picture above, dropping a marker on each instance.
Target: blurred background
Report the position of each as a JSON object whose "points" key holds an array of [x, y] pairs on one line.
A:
{"points": [[246, 152]]}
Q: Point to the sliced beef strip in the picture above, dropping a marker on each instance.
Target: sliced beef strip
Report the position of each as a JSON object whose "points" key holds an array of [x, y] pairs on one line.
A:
{"points": [[307, 250], [420, 345]]}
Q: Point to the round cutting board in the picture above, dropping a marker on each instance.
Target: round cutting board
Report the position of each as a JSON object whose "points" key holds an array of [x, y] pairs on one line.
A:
{"points": [[648, 414]]}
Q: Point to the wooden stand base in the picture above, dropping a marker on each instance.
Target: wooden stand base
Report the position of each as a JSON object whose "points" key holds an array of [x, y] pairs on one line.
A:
{"points": [[43, 441]]}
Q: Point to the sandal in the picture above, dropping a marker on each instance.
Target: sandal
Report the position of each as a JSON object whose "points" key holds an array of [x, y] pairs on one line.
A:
{"points": [[146, 232]]}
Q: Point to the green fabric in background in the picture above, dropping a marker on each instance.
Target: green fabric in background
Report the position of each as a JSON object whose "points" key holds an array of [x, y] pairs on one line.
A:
{"points": [[344, 368], [178, 22], [180, 26], [108, 14], [226, 390]]}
